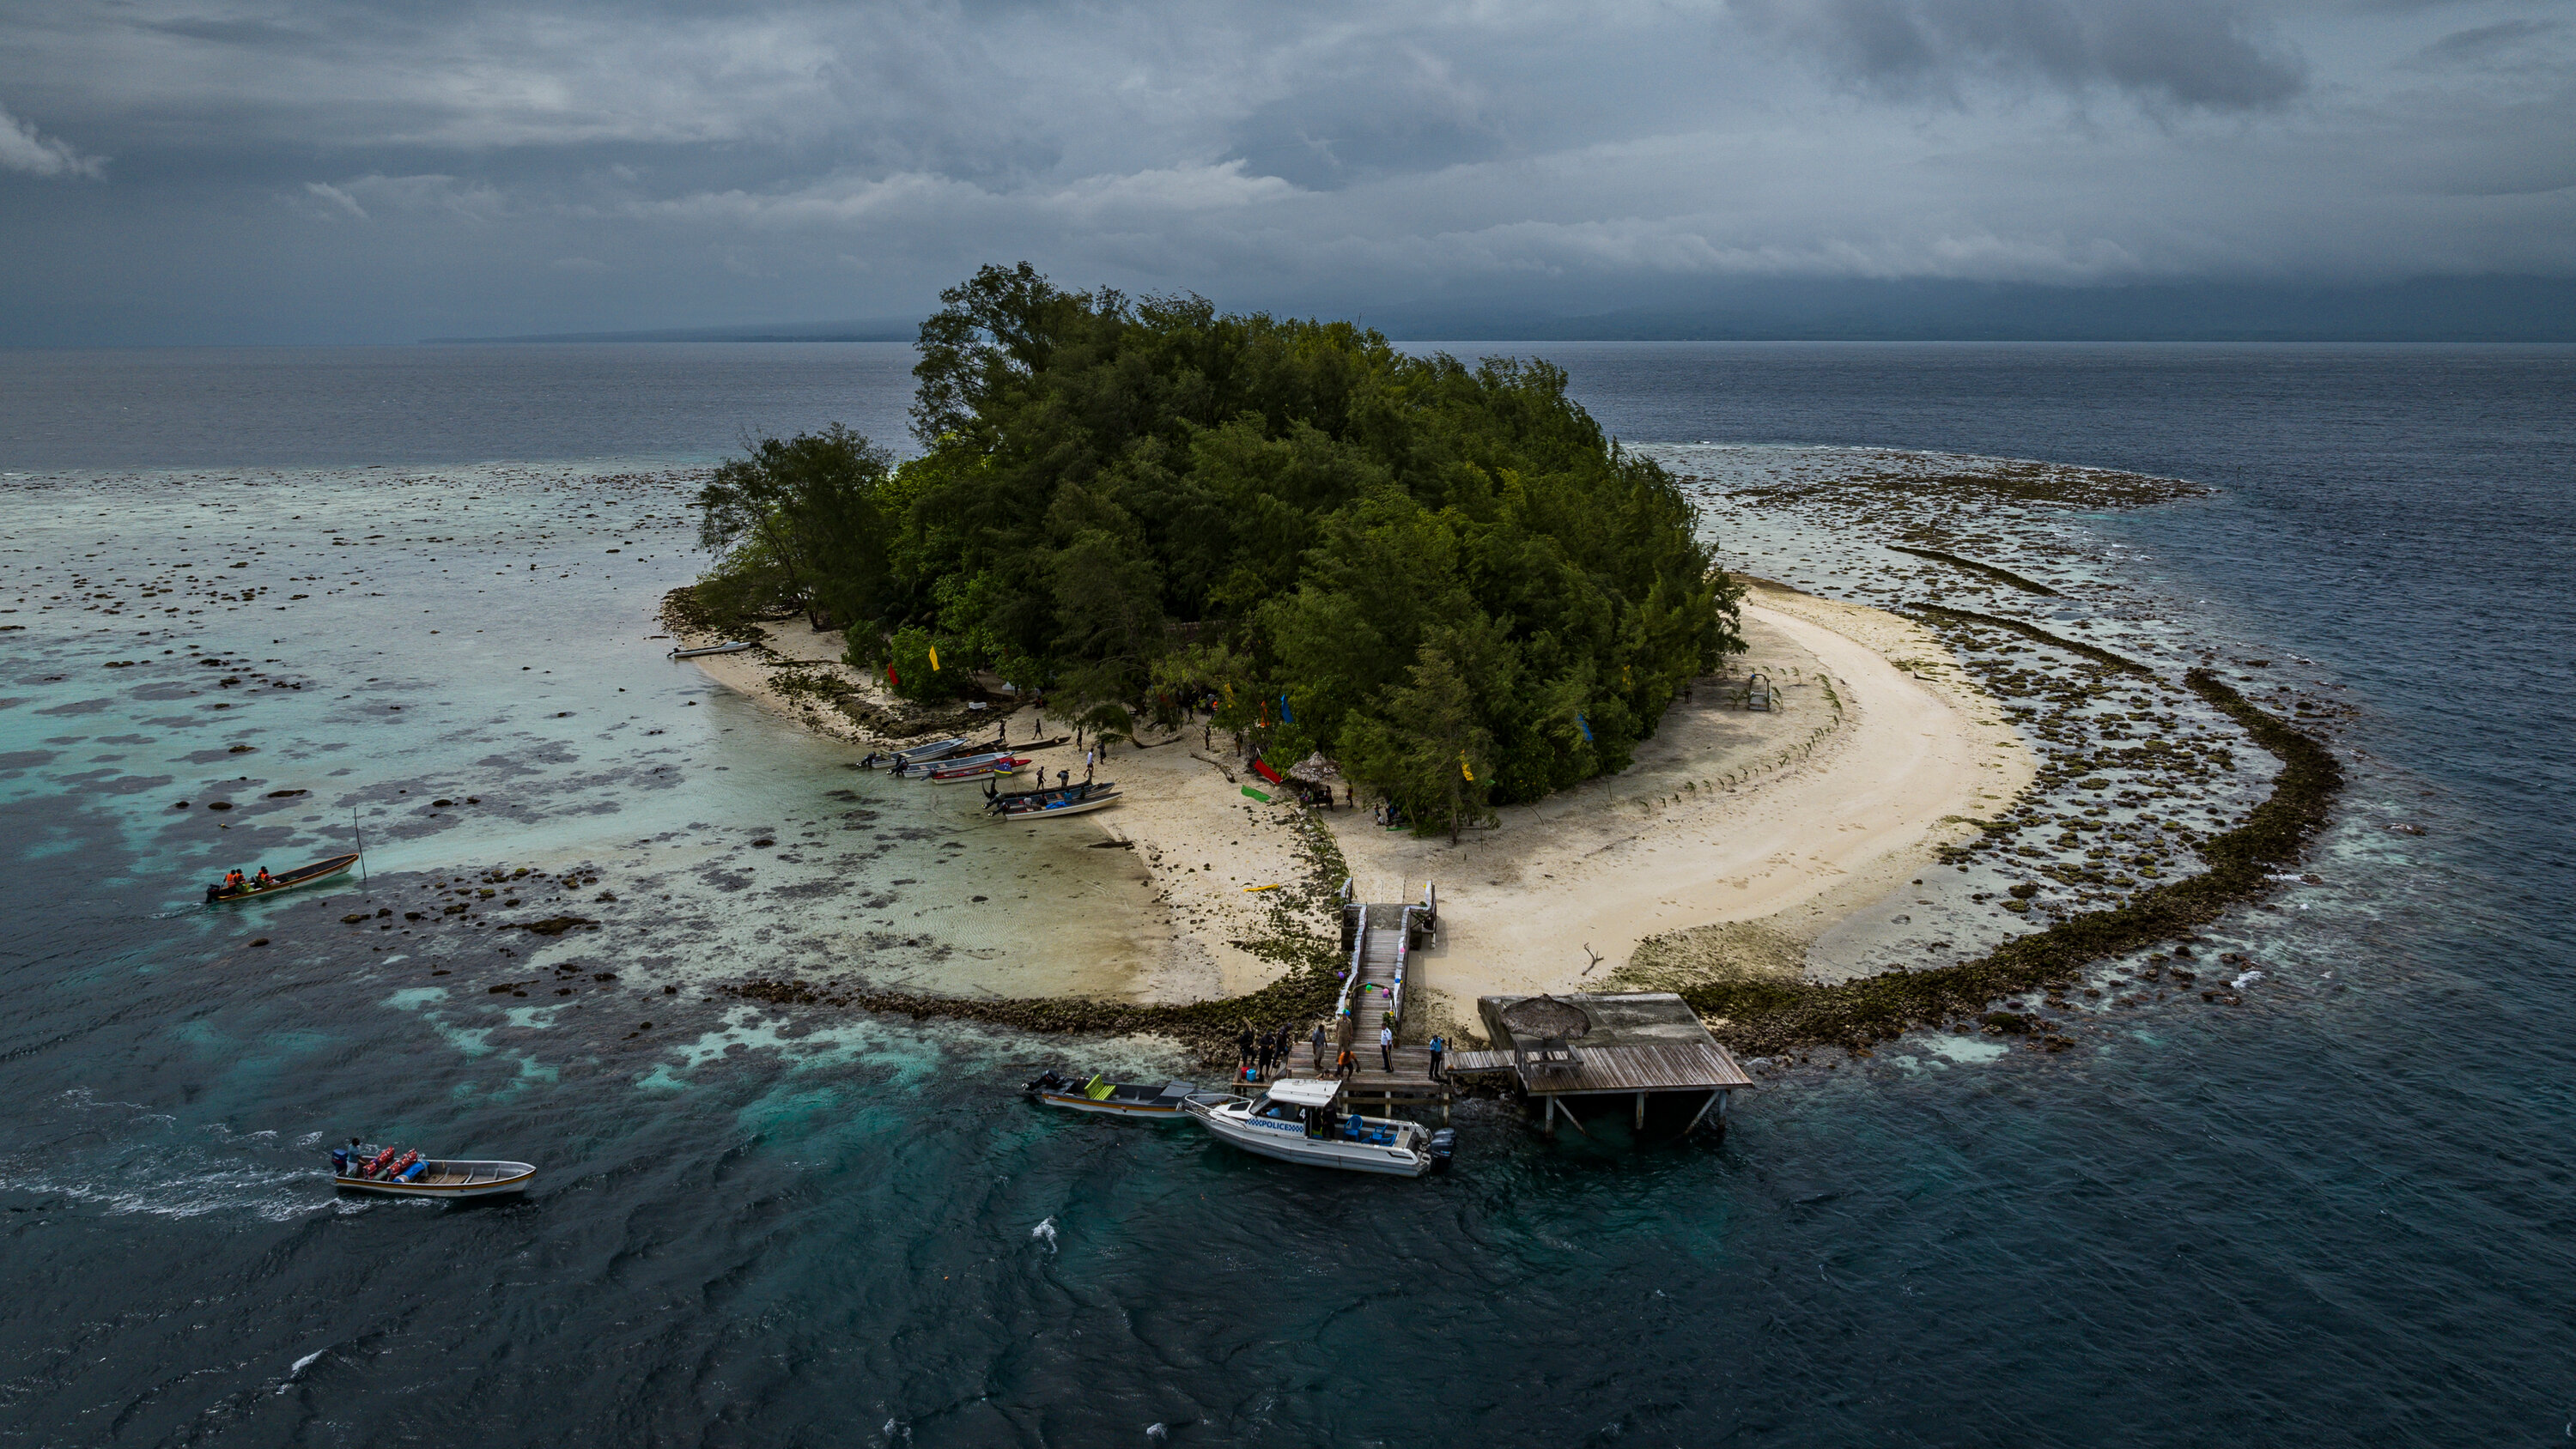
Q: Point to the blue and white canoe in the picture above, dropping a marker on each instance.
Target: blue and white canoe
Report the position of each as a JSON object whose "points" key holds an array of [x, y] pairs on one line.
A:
{"points": [[1048, 804], [703, 650]]}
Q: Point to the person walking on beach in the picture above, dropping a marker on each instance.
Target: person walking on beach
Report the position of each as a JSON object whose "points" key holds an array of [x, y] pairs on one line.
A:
{"points": [[1385, 1047]]}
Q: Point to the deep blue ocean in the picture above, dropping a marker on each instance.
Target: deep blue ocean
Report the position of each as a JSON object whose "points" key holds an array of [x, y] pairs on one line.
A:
{"points": [[2338, 1215]]}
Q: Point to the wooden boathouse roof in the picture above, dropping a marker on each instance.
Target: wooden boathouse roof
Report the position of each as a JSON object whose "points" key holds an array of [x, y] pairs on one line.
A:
{"points": [[1639, 1041]]}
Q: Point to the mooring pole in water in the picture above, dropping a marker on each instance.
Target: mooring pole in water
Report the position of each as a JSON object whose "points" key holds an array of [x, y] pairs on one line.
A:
{"points": [[362, 846]]}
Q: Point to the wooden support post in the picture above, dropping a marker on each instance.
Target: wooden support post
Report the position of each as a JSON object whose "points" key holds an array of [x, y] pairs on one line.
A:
{"points": [[1641, 1111], [1551, 1115], [1715, 1099]]}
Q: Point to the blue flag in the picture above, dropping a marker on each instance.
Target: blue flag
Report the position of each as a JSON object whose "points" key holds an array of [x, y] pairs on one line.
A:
{"points": [[1581, 724], [1284, 712]]}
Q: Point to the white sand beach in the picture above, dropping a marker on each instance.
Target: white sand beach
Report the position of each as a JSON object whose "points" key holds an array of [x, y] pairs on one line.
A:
{"points": [[1879, 753]]}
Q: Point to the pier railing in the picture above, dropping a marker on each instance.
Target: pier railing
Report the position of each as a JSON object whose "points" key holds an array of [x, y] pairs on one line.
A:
{"points": [[1359, 948]]}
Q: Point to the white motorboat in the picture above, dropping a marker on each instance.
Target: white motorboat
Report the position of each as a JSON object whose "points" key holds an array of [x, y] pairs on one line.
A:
{"points": [[1301, 1120], [413, 1175]]}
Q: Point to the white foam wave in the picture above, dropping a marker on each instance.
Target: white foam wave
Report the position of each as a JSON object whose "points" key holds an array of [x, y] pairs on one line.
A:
{"points": [[1045, 1232]]}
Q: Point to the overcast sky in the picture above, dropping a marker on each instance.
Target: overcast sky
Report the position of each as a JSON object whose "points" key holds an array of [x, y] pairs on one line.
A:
{"points": [[259, 170]]}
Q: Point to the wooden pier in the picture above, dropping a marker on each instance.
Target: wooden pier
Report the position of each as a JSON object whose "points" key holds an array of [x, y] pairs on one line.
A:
{"points": [[1381, 939], [1644, 1051]]}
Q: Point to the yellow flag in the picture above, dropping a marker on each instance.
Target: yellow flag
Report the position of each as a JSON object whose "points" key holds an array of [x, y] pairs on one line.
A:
{"points": [[934, 656], [1462, 765]]}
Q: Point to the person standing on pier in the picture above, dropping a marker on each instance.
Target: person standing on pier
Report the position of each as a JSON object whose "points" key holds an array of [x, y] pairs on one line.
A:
{"points": [[1437, 1048], [1319, 1047], [1385, 1047]]}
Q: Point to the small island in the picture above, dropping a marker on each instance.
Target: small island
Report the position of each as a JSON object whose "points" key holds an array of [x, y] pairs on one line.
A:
{"points": [[1346, 622]]}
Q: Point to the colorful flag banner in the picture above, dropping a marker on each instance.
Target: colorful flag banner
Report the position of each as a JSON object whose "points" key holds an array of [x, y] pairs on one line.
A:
{"points": [[1462, 765], [934, 658], [1584, 725]]}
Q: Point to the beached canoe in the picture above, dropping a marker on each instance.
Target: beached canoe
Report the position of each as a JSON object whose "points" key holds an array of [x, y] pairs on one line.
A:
{"points": [[919, 769], [1049, 804], [444, 1177], [703, 650], [915, 755], [306, 875], [996, 768]]}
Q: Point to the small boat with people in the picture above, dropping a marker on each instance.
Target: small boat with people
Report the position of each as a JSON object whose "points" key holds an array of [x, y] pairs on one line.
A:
{"points": [[733, 646], [1047, 804], [1160, 1102], [1302, 1119], [235, 886], [394, 1172]]}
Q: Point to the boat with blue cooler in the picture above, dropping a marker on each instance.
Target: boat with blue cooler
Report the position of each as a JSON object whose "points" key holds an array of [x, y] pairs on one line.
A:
{"points": [[364, 1167], [1301, 1119]]}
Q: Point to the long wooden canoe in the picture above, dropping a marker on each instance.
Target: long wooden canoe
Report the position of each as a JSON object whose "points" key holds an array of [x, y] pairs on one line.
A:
{"points": [[448, 1178], [304, 875]]}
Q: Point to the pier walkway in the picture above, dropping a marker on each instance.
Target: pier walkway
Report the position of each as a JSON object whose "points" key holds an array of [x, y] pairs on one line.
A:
{"points": [[1381, 939]]}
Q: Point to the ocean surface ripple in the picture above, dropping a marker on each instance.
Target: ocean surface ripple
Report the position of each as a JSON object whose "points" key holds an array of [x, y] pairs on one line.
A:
{"points": [[2339, 1214]]}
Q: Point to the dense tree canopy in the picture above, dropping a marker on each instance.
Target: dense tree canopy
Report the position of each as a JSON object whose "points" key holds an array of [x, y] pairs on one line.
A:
{"points": [[1445, 577]]}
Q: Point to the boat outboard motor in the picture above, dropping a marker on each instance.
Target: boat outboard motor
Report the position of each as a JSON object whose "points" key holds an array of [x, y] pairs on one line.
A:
{"points": [[214, 894], [1443, 1144]]}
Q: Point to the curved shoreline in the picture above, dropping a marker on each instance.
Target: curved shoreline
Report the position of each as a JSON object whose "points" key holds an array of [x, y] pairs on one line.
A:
{"points": [[1772, 1015]]}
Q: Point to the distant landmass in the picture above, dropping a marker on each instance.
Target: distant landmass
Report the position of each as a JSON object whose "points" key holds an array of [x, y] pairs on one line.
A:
{"points": [[869, 329], [2469, 309], [2433, 309]]}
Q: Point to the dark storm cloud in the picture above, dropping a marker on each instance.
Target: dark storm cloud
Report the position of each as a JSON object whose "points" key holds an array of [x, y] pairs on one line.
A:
{"points": [[206, 169], [2182, 52], [1395, 113], [2506, 40]]}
